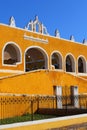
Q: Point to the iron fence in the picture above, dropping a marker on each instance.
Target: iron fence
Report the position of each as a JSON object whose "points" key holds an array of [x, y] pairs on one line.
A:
{"points": [[25, 108]]}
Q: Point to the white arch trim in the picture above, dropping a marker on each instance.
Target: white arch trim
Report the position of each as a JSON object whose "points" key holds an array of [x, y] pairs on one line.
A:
{"points": [[43, 52], [57, 52], [11, 42], [74, 65], [83, 58]]}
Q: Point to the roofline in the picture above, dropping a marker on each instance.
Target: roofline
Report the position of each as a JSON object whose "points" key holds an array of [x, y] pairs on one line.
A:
{"points": [[44, 34]]}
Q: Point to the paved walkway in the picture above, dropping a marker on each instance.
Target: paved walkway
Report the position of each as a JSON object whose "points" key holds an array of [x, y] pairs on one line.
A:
{"points": [[48, 124], [82, 126]]}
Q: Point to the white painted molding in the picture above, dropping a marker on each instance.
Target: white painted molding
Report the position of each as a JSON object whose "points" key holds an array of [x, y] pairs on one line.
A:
{"points": [[36, 26], [84, 63], [18, 28], [43, 51], [82, 74], [57, 33], [20, 57], [60, 59], [72, 38], [10, 71], [35, 39], [12, 22], [73, 59], [29, 123]]}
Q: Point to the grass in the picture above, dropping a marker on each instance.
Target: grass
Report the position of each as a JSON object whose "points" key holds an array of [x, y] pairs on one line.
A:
{"points": [[24, 118]]}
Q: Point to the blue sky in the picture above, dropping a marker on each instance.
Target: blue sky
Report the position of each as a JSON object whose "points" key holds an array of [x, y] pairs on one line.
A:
{"points": [[68, 16]]}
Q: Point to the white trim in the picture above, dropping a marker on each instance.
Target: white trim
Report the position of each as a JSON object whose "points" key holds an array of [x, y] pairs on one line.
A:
{"points": [[43, 51], [26, 37], [11, 42], [82, 74], [18, 28], [58, 70], [73, 67], [29, 123], [10, 71], [72, 73], [83, 58], [57, 52], [12, 22], [83, 78], [27, 95], [23, 29]]}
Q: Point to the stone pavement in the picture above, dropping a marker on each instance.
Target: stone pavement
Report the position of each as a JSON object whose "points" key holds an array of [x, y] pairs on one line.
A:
{"points": [[82, 126]]}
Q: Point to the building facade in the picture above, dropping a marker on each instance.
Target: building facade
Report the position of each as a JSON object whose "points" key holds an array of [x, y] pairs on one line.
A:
{"points": [[33, 62]]}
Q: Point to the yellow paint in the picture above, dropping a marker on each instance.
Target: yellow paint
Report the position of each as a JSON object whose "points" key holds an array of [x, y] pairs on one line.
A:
{"points": [[40, 81], [34, 82], [4, 74], [54, 124], [9, 34]]}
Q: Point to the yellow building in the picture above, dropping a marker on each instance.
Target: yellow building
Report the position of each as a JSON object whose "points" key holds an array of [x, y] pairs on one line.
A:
{"points": [[33, 62]]}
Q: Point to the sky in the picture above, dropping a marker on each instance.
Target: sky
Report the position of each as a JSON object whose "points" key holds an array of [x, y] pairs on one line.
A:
{"points": [[68, 16]]}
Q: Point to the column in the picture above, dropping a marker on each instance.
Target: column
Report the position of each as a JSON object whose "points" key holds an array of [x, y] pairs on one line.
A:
{"points": [[59, 96]]}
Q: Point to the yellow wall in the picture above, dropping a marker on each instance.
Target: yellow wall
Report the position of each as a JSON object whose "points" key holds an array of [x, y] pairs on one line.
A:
{"points": [[9, 34], [9, 105], [41, 82]]}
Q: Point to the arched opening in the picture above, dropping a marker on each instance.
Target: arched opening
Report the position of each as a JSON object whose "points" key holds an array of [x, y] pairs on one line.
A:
{"points": [[57, 60], [81, 65], [11, 54], [35, 58], [70, 64]]}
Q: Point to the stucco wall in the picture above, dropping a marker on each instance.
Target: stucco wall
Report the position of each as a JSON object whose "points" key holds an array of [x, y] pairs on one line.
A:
{"points": [[64, 47], [41, 82]]}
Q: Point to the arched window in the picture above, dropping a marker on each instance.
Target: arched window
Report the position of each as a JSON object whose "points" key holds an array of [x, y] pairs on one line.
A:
{"points": [[70, 64], [11, 54], [57, 60], [35, 58], [81, 65]]}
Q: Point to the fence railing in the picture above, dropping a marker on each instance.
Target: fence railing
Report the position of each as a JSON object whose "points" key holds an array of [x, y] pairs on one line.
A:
{"points": [[28, 107]]}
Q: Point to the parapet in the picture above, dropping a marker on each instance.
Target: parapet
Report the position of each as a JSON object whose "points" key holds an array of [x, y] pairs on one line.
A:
{"points": [[37, 26]]}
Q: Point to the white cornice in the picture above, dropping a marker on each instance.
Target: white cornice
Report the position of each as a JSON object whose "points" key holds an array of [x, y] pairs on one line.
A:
{"points": [[35, 39], [10, 71], [44, 35]]}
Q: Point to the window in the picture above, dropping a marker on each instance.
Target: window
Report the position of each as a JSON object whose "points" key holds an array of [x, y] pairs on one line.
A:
{"points": [[35, 58], [70, 64], [57, 60], [11, 54], [81, 65]]}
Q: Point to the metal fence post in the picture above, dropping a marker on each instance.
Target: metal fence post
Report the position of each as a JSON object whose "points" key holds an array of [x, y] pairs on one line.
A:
{"points": [[37, 103], [74, 92], [31, 110]]}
